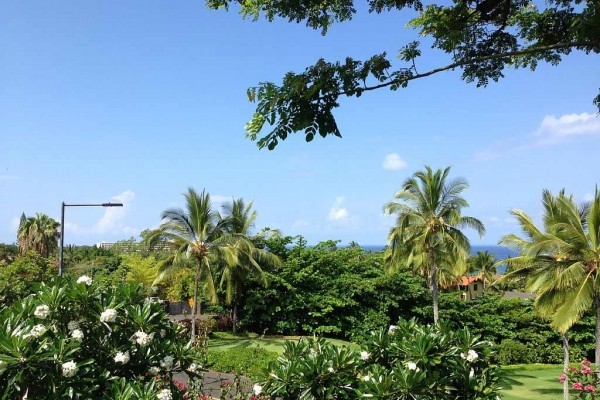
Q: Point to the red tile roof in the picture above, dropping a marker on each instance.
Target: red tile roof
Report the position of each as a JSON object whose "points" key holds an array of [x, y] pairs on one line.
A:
{"points": [[465, 280]]}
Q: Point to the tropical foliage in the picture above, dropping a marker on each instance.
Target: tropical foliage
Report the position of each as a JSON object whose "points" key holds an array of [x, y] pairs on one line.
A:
{"points": [[196, 236], [39, 234], [238, 219], [482, 38], [407, 361], [75, 339], [484, 265], [561, 262], [427, 235]]}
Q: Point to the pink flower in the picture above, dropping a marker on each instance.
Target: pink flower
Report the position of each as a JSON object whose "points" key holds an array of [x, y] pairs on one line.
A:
{"points": [[586, 370], [577, 386], [589, 388], [562, 378], [586, 363]]}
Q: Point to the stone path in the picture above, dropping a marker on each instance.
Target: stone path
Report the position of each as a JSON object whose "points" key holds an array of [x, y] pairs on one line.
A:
{"points": [[213, 381]]}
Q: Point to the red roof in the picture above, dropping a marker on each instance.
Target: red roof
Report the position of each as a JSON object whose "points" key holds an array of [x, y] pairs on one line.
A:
{"points": [[465, 280]]}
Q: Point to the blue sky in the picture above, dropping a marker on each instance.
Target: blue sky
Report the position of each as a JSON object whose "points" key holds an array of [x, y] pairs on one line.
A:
{"points": [[135, 101]]}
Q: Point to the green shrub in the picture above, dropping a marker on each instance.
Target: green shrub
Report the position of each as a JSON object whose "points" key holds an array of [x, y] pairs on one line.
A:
{"points": [[77, 339], [252, 362], [409, 361]]}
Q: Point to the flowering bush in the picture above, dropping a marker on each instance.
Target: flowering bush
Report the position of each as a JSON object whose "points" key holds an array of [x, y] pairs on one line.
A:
{"points": [[584, 381], [407, 361], [78, 340]]}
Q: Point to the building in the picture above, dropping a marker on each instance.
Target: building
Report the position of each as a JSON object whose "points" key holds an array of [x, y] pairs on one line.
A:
{"points": [[470, 287]]}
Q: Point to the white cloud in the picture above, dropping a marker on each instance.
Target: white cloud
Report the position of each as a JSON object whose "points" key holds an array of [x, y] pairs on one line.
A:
{"points": [[497, 220], [112, 220], [393, 162], [554, 129], [551, 131], [337, 213]]}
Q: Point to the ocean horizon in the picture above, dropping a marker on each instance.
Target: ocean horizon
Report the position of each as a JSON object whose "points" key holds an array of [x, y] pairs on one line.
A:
{"points": [[499, 252]]}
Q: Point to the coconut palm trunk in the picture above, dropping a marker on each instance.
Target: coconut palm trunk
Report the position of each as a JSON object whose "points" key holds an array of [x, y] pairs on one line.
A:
{"points": [[565, 345], [597, 352], [195, 307], [434, 287]]}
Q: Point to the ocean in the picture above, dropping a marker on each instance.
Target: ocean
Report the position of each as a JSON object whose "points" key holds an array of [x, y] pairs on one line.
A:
{"points": [[499, 252]]}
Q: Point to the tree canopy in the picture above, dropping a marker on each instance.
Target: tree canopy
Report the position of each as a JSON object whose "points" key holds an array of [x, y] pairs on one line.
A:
{"points": [[482, 38]]}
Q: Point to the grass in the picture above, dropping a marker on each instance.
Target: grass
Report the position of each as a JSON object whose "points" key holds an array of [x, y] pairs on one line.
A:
{"points": [[222, 341], [522, 382], [532, 382]]}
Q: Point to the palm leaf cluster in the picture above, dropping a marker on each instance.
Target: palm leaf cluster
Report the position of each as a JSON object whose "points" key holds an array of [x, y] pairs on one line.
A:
{"points": [[427, 236], [560, 261], [39, 234], [209, 242]]}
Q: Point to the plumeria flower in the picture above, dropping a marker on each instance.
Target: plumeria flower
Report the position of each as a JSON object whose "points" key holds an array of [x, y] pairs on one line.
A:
{"points": [[167, 362], [154, 370], [108, 315], [77, 334], [142, 338], [330, 369], [121, 357], [164, 394], [72, 325], [85, 280], [193, 367], [41, 312], [257, 389], [470, 356], [392, 329], [36, 331], [364, 355], [367, 378], [69, 369], [412, 366]]}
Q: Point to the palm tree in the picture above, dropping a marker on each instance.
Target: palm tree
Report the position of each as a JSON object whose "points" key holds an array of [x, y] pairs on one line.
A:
{"points": [[239, 220], [39, 234], [196, 235], [561, 262], [427, 234], [484, 264]]}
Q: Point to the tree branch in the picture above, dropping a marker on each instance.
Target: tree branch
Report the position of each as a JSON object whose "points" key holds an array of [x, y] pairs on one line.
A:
{"points": [[530, 50]]}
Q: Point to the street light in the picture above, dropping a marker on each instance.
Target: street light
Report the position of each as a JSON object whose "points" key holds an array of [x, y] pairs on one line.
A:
{"points": [[62, 227]]}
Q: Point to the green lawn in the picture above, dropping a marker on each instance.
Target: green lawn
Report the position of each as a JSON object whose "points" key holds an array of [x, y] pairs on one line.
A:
{"points": [[533, 382], [226, 341]]}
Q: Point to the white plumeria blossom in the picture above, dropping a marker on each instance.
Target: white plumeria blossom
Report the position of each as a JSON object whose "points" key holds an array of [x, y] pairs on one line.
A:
{"points": [[108, 315], [72, 325], [42, 311], [330, 369], [193, 367], [412, 366], [367, 378], [36, 331], [167, 362], [121, 357], [69, 369], [164, 394], [392, 329], [470, 356], [85, 280], [77, 334], [154, 370], [257, 389], [142, 338], [364, 355]]}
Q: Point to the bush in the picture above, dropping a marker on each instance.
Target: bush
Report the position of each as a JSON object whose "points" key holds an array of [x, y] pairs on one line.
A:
{"points": [[78, 340], [410, 361]]}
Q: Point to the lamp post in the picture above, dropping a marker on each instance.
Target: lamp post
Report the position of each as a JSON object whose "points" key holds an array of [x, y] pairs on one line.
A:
{"points": [[62, 227]]}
